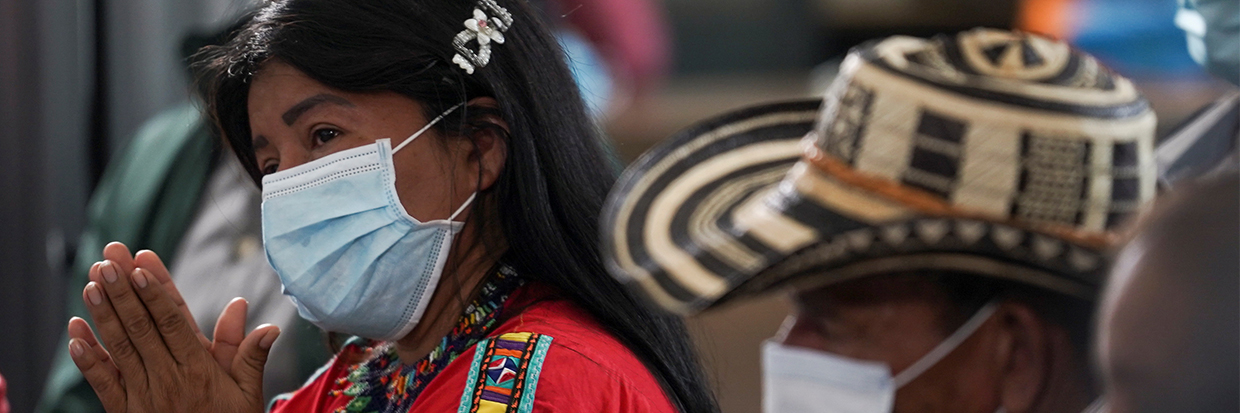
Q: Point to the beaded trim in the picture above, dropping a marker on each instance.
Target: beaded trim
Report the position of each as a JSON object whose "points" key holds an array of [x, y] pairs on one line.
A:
{"points": [[384, 385]]}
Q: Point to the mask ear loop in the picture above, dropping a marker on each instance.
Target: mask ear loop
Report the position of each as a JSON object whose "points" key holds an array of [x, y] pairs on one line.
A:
{"points": [[463, 205], [784, 328], [426, 128], [948, 344]]}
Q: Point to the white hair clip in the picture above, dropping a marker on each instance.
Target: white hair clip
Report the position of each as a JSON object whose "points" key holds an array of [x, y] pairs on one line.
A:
{"points": [[485, 29]]}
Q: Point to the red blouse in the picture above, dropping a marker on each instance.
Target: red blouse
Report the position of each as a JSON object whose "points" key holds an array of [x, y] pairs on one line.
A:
{"points": [[550, 356]]}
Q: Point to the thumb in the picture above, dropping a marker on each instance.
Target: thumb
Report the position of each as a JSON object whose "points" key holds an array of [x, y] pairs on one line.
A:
{"points": [[247, 365]]}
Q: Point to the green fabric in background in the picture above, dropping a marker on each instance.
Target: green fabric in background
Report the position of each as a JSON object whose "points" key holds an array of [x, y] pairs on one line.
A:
{"points": [[146, 199]]}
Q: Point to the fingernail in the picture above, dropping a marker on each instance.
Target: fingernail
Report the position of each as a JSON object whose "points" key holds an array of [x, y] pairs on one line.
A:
{"points": [[139, 278], [92, 292], [76, 347], [109, 271], [268, 339]]}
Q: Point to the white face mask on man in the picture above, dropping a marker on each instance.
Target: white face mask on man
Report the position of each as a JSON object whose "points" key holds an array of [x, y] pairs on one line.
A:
{"points": [[801, 380]]}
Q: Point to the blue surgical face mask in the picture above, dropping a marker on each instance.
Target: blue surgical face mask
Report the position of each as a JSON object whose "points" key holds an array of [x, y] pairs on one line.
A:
{"points": [[350, 257], [1213, 30], [802, 380]]}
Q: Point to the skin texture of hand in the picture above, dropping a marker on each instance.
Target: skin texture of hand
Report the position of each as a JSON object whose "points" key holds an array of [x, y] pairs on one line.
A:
{"points": [[149, 355]]}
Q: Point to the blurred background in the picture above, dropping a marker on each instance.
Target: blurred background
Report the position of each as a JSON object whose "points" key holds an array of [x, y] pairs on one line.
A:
{"points": [[78, 78]]}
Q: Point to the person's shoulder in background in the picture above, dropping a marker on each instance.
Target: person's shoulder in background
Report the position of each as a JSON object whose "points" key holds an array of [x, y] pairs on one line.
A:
{"points": [[4, 395]]}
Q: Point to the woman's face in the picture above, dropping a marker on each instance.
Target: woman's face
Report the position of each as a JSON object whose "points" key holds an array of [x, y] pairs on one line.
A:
{"points": [[295, 119]]}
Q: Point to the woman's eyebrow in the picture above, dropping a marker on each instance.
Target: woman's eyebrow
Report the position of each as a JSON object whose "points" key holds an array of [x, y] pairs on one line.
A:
{"points": [[300, 108]]}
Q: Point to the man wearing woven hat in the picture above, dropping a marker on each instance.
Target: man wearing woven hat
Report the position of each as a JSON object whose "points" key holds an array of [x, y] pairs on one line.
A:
{"points": [[940, 225]]}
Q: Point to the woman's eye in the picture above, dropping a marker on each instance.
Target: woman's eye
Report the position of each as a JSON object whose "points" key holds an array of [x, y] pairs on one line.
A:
{"points": [[324, 135], [271, 169]]}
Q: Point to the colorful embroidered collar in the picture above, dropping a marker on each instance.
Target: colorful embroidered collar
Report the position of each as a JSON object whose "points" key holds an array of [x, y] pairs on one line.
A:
{"points": [[383, 385]]}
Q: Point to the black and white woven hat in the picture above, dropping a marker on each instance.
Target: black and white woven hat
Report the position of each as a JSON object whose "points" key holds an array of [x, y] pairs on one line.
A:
{"points": [[989, 152]]}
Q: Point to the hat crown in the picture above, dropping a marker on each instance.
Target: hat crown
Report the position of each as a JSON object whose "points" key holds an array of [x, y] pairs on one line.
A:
{"points": [[993, 59], [1008, 126]]}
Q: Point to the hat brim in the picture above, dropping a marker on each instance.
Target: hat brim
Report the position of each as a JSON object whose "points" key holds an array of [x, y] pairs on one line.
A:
{"points": [[668, 203], [729, 208]]}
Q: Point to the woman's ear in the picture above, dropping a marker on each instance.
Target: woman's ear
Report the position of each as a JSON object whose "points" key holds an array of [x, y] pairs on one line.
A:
{"points": [[490, 143], [1023, 355]]}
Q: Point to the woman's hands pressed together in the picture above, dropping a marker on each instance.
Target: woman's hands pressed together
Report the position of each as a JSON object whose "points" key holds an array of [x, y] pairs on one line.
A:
{"points": [[150, 355]]}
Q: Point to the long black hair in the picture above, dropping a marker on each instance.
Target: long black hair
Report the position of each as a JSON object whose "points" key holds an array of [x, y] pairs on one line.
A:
{"points": [[557, 174]]}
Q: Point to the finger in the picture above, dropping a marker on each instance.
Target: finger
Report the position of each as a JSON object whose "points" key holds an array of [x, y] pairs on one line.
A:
{"points": [[118, 253], [174, 330], [112, 334], [247, 367], [102, 377], [138, 323], [94, 270], [79, 325], [229, 333], [78, 328], [150, 261]]}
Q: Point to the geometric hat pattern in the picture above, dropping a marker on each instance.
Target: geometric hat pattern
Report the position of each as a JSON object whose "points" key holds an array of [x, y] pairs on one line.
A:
{"points": [[997, 153]]}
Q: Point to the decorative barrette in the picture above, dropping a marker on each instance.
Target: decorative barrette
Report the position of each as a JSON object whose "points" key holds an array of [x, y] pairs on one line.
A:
{"points": [[485, 29]]}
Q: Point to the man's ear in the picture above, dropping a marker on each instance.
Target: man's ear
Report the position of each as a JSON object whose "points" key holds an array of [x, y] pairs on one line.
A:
{"points": [[490, 144], [1023, 356]]}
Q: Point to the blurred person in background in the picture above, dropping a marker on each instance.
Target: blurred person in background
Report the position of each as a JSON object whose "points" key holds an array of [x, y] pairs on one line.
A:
{"points": [[1207, 144], [618, 50], [4, 397], [942, 226], [173, 189], [357, 117], [1135, 37], [1169, 323]]}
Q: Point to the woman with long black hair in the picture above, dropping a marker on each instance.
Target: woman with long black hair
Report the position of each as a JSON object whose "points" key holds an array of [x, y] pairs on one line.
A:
{"points": [[431, 185]]}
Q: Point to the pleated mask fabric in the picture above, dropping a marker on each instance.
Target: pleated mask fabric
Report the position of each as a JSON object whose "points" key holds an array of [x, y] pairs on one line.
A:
{"points": [[349, 256]]}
